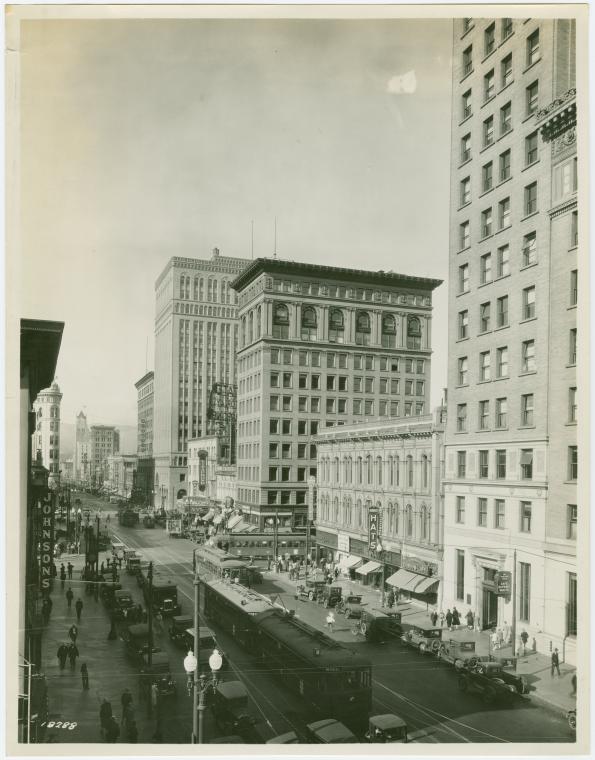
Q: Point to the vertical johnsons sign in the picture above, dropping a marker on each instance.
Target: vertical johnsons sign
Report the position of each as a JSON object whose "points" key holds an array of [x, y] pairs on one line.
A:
{"points": [[46, 544]]}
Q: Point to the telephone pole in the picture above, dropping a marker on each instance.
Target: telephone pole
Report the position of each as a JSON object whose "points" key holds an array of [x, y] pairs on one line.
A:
{"points": [[514, 603]]}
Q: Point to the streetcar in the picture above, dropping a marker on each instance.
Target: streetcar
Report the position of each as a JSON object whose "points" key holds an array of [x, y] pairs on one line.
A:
{"points": [[212, 562], [332, 679]]}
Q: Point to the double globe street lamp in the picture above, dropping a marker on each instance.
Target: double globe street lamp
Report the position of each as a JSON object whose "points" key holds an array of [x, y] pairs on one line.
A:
{"points": [[198, 686]]}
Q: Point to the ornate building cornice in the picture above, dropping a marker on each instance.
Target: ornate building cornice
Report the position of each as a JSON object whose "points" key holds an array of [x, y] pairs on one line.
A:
{"points": [[558, 117]]}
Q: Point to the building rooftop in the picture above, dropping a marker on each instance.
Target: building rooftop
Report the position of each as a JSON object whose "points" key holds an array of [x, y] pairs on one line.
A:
{"points": [[145, 379], [397, 426], [323, 271]]}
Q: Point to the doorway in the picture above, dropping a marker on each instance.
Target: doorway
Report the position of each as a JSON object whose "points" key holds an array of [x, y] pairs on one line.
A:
{"points": [[490, 609]]}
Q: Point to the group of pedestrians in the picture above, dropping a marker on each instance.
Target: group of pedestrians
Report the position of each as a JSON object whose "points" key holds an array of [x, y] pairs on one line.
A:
{"points": [[67, 651], [109, 726]]}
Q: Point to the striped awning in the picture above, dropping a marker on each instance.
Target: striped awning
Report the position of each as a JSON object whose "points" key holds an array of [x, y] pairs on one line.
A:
{"points": [[426, 584], [350, 561], [403, 579], [369, 567]]}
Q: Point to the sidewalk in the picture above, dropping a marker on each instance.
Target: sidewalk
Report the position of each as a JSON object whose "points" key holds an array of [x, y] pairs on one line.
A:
{"points": [[554, 692]]}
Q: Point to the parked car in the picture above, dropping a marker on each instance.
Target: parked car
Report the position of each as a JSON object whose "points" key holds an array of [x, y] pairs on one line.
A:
{"points": [[329, 731], [158, 672], [380, 624], [486, 679], [386, 728], [330, 596], [229, 704], [423, 639], [508, 666], [207, 643], [350, 605], [311, 587], [136, 641], [178, 630], [122, 602], [455, 652]]}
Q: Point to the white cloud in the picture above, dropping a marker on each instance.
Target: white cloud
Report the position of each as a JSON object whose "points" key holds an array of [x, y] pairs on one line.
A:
{"points": [[403, 84]]}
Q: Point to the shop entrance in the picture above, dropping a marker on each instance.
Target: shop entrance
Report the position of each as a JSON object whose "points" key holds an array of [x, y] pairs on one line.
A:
{"points": [[490, 609]]}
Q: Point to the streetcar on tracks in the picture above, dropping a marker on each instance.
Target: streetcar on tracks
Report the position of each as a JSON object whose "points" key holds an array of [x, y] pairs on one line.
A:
{"points": [[331, 678], [213, 562]]}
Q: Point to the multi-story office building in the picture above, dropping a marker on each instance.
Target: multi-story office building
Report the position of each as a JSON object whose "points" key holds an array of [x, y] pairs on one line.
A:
{"points": [[394, 467], [46, 438], [196, 336], [120, 476], [82, 448], [145, 472], [320, 346], [510, 438], [105, 442]]}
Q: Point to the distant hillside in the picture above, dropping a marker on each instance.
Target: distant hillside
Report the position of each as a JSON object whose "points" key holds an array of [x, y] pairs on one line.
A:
{"points": [[67, 433]]}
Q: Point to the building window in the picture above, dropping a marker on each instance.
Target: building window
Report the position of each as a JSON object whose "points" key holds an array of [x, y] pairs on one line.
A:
{"points": [[506, 28], [501, 413], [484, 366], [529, 249], [280, 321], [468, 60], [532, 98], [527, 405], [572, 462], [529, 302], [273, 451], [504, 213], [461, 464], [525, 517], [464, 235], [463, 366], [500, 464], [466, 108], [362, 328], [464, 278], [486, 222], [572, 347], [525, 591], [484, 415], [574, 287], [484, 317], [465, 148], [528, 356], [526, 464], [485, 270], [574, 229], [489, 85], [572, 522], [467, 24], [460, 574], [287, 379], [483, 463], [533, 48], [460, 507], [499, 513], [506, 70], [486, 177], [465, 190], [502, 361], [410, 471], [389, 331], [572, 408], [488, 132], [531, 149], [463, 324], [572, 606], [505, 118], [336, 326], [461, 418], [413, 333], [482, 512], [308, 323], [505, 165], [531, 199], [489, 38], [565, 179]]}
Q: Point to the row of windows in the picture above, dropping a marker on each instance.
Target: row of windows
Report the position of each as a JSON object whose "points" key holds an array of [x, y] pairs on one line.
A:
{"points": [[528, 296], [206, 289], [333, 360], [286, 497], [506, 30], [341, 383], [532, 52], [285, 450], [375, 470], [285, 474], [395, 519], [341, 291], [341, 406], [500, 464]]}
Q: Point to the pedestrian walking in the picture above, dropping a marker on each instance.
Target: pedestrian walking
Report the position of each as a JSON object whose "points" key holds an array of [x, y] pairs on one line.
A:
{"points": [[73, 653], [69, 569], [390, 601], [449, 619], [524, 639], [500, 633], [102, 568], [434, 618], [469, 618], [69, 597], [62, 575], [441, 616], [85, 676], [456, 618], [330, 621], [495, 639], [112, 731], [79, 608], [62, 654], [555, 663], [108, 518], [73, 632]]}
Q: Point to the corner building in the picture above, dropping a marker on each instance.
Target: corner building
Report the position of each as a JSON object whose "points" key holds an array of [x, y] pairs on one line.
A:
{"points": [[319, 347], [46, 438], [510, 481], [196, 339]]}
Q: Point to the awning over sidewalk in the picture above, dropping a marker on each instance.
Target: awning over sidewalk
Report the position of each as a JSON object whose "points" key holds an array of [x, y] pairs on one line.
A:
{"points": [[413, 582], [426, 585], [369, 567], [350, 562]]}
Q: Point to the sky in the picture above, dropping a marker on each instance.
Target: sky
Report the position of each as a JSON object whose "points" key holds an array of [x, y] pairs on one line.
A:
{"points": [[141, 140]]}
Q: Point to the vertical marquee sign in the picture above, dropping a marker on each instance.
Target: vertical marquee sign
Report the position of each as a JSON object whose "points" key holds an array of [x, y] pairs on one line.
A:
{"points": [[46, 555], [202, 470], [373, 528]]}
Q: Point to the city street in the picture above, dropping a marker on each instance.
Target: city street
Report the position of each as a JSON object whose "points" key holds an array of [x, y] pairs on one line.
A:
{"points": [[417, 688]]}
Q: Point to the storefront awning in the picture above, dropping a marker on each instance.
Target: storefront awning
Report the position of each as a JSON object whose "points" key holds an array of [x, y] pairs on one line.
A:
{"points": [[369, 567], [426, 585], [402, 579], [350, 561]]}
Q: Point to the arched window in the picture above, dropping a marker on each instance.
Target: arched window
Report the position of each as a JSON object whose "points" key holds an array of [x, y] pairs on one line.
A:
{"points": [[201, 288], [391, 519], [345, 470], [336, 326], [425, 470], [250, 327], [349, 515], [243, 331], [258, 320], [423, 518], [359, 470], [410, 471], [397, 466], [182, 279], [391, 471], [369, 474], [413, 333], [397, 525], [358, 513], [195, 293], [409, 520], [379, 471], [309, 323], [362, 328], [280, 321], [336, 469], [336, 509], [389, 331]]}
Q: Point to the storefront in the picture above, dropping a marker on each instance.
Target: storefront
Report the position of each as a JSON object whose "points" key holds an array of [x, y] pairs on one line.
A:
{"points": [[416, 579], [326, 546], [371, 570]]}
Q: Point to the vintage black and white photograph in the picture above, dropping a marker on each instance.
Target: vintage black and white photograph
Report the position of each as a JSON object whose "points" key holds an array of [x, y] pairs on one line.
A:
{"points": [[296, 452]]}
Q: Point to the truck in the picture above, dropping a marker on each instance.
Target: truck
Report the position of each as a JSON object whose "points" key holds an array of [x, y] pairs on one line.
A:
{"points": [[174, 527], [164, 597], [128, 518]]}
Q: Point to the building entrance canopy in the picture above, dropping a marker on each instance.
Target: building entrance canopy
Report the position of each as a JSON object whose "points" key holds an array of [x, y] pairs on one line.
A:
{"points": [[369, 567], [408, 581], [350, 562]]}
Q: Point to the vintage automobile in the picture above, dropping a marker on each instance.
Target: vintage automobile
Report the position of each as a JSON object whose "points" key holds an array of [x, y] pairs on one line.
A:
{"points": [[311, 588], [508, 665], [423, 639], [178, 630], [229, 704], [455, 652], [330, 596], [387, 728], [207, 643], [380, 624], [289, 738], [486, 679], [148, 521], [571, 718], [107, 591], [122, 602], [133, 565], [329, 731], [136, 641], [350, 605], [118, 549], [158, 672]]}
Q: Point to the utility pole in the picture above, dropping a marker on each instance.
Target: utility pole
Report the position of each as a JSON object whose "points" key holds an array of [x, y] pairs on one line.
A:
{"points": [[514, 603], [196, 725], [150, 614], [97, 561], [275, 536]]}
